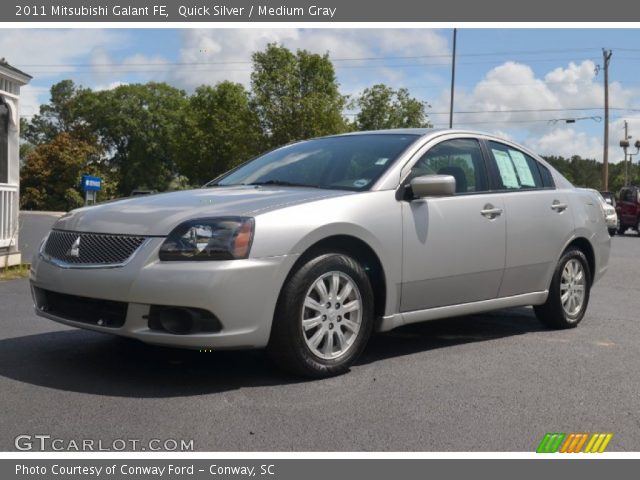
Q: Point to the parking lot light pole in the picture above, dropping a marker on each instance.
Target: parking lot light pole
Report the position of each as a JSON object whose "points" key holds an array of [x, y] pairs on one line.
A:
{"points": [[625, 146], [624, 143], [631, 155]]}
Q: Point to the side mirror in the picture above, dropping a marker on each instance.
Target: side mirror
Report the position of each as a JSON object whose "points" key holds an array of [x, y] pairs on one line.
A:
{"points": [[433, 186]]}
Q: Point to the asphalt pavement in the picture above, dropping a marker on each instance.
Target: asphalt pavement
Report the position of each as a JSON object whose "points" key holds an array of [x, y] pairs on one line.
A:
{"points": [[494, 382], [33, 226]]}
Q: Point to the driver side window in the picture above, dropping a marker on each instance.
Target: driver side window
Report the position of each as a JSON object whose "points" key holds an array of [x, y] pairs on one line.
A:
{"points": [[461, 158]]}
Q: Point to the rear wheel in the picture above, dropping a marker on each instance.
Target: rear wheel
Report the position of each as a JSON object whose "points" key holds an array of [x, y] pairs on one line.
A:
{"points": [[568, 293], [324, 317]]}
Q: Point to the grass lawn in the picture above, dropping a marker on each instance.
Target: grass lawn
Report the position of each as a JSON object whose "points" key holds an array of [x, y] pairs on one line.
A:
{"points": [[12, 273]]}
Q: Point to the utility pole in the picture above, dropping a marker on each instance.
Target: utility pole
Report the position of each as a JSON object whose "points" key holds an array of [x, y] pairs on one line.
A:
{"points": [[453, 77], [626, 138], [606, 56]]}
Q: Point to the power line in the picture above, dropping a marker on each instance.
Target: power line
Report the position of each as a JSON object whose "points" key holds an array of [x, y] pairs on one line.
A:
{"points": [[347, 59], [535, 110], [498, 84], [550, 121], [125, 68]]}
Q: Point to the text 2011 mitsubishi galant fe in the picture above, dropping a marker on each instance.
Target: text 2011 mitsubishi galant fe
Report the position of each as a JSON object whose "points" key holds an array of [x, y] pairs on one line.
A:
{"points": [[309, 248]]}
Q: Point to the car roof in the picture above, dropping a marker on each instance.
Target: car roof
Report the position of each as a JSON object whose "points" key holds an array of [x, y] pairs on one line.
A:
{"points": [[412, 131]]}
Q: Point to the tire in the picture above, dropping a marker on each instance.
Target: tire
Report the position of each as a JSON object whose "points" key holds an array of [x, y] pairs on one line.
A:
{"points": [[333, 338], [621, 230], [612, 232], [556, 314]]}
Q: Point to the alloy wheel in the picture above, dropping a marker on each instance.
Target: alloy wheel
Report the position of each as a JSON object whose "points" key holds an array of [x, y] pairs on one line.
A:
{"points": [[572, 287], [331, 315]]}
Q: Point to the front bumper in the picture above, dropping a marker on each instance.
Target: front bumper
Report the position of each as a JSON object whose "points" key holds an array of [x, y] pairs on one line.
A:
{"points": [[242, 294]]}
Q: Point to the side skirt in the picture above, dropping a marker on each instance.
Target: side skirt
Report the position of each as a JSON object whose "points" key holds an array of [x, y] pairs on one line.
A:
{"points": [[405, 318]]}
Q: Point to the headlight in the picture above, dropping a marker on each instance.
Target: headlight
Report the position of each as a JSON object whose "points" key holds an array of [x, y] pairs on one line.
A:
{"points": [[223, 238], [43, 242]]}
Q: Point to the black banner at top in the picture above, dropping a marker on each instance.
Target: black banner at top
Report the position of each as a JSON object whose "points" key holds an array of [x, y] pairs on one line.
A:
{"points": [[317, 11]]}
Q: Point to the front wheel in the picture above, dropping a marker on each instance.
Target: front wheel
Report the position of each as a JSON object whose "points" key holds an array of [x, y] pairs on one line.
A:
{"points": [[612, 232], [324, 317], [568, 292]]}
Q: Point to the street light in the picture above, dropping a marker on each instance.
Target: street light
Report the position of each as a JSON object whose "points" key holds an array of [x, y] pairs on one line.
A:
{"points": [[625, 145]]}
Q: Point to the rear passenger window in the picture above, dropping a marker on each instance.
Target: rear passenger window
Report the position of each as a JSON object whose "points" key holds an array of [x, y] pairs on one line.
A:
{"points": [[628, 195], [461, 158], [547, 179], [517, 170]]}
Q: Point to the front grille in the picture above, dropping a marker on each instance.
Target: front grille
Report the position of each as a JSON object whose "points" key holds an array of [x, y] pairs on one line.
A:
{"points": [[92, 311], [76, 248]]}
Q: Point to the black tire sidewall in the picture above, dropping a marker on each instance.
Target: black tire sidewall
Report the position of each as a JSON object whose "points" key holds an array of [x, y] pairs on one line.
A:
{"points": [[289, 311], [572, 254]]}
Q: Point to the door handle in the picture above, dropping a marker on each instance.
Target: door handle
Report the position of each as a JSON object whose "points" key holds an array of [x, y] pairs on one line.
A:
{"points": [[490, 211], [559, 206]]}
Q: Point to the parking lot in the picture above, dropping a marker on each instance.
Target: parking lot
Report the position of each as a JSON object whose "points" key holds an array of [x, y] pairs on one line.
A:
{"points": [[494, 382]]}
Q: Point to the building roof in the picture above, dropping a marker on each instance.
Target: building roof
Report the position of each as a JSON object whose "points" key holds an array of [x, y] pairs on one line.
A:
{"points": [[5, 64]]}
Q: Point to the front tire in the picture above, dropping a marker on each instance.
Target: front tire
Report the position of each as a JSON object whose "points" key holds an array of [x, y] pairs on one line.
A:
{"points": [[612, 232], [569, 292], [324, 317]]}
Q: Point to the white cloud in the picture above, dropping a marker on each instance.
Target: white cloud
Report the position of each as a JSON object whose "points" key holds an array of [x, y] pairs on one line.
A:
{"points": [[566, 142], [616, 133], [531, 104], [109, 86], [30, 99], [105, 69], [236, 45], [32, 49]]}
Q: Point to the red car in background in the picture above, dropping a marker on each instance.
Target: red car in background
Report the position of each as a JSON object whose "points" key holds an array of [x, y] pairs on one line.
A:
{"points": [[628, 209]]}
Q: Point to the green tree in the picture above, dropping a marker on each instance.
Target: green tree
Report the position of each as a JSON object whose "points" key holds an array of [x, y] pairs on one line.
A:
{"points": [[138, 124], [560, 164], [220, 131], [383, 107], [50, 176], [582, 172], [295, 95], [61, 114]]}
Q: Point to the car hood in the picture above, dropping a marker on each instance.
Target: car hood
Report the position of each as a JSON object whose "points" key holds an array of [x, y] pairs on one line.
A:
{"points": [[159, 214]]}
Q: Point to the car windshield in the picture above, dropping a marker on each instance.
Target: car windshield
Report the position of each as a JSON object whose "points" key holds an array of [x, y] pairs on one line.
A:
{"points": [[350, 162]]}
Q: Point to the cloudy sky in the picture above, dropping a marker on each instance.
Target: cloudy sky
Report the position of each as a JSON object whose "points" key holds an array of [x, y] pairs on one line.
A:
{"points": [[520, 83]]}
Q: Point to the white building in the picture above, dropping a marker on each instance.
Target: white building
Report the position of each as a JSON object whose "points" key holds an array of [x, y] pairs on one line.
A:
{"points": [[11, 79]]}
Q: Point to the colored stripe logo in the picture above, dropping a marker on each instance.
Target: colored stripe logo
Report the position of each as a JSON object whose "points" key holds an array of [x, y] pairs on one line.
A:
{"points": [[574, 442]]}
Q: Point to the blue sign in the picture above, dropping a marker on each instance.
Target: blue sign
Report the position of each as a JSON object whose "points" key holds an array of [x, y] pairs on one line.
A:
{"points": [[91, 184]]}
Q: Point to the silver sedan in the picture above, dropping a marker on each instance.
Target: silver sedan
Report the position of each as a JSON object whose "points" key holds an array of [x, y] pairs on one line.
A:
{"points": [[308, 249]]}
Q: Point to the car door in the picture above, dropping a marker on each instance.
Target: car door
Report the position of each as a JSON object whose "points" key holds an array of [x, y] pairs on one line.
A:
{"points": [[538, 218], [453, 247]]}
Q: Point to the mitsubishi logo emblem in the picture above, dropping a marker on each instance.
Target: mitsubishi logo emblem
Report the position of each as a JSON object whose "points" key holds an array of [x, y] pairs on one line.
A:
{"points": [[75, 248]]}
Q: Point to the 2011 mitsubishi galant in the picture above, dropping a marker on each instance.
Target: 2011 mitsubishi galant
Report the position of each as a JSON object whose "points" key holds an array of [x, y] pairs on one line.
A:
{"points": [[309, 248]]}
